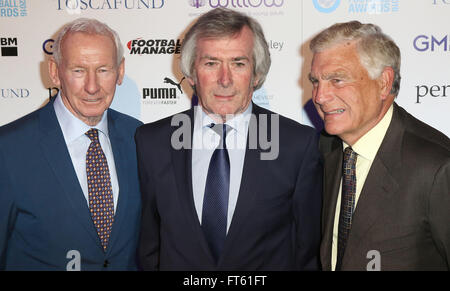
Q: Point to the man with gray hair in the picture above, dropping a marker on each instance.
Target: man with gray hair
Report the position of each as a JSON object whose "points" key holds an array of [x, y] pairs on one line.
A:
{"points": [[69, 189], [386, 174], [227, 199]]}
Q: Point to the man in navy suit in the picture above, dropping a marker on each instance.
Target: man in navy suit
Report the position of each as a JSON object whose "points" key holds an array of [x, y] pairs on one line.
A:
{"points": [[69, 192], [228, 185]]}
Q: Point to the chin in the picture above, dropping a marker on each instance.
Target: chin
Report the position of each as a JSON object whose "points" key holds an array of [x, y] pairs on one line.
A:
{"points": [[93, 114], [223, 111], [332, 130]]}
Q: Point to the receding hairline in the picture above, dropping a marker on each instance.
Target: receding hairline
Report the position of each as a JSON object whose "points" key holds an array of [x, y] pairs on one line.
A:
{"points": [[107, 35], [376, 49], [88, 26]]}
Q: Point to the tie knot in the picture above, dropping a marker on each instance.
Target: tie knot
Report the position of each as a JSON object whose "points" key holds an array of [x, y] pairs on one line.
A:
{"points": [[92, 134], [220, 129], [349, 157]]}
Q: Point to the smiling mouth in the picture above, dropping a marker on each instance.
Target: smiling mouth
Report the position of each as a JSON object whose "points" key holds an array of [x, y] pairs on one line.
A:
{"points": [[92, 100], [338, 111]]}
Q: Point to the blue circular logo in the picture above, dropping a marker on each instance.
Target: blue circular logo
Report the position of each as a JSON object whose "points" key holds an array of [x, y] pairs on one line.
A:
{"points": [[47, 46], [326, 6]]}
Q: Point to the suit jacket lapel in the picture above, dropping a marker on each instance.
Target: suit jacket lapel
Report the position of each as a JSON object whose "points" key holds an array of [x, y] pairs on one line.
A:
{"points": [[182, 166], [121, 161], [54, 149], [250, 185], [377, 190], [332, 181], [379, 186]]}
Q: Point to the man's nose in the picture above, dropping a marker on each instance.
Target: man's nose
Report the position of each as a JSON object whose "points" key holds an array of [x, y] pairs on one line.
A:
{"points": [[322, 93], [225, 76], [91, 85]]}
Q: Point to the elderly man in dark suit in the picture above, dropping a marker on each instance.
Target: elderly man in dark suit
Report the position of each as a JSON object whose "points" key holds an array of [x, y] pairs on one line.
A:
{"points": [[387, 174], [221, 199], [69, 189]]}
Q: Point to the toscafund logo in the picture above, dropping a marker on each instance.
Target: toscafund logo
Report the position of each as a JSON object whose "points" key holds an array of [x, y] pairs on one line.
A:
{"points": [[236, 3], [141, 46], [14, 93], [76, 6], [326, 6]]}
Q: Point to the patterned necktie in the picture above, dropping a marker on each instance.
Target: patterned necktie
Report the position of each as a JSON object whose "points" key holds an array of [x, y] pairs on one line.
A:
{"points": [[215, 201], [347, 202], [101, 202]]}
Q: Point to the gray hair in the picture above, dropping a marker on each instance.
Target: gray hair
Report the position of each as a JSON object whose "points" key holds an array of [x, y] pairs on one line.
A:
{"points": [[376, 50], [90, 26], [222, 22]]}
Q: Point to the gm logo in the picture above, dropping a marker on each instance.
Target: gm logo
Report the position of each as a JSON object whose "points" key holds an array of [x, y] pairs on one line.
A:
{"points": [[326, 6], [424, 43]]}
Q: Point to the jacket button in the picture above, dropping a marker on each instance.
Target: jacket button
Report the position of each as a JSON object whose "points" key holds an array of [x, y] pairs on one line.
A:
{"points": [[105, 264]]}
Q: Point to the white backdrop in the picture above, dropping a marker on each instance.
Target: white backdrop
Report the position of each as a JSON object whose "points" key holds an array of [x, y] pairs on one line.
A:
{"points": [[152, 30]]}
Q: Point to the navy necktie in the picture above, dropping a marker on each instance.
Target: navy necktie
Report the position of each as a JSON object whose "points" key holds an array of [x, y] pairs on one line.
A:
{"points": [[347, 202], [215, 201]]}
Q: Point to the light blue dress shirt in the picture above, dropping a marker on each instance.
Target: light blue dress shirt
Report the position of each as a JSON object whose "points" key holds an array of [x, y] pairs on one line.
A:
{"points": [[78, 143], [204, 142]]}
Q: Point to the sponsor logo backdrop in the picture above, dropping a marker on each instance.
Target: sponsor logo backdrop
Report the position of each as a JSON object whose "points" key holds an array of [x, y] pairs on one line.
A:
{"points": [[153, 30]]}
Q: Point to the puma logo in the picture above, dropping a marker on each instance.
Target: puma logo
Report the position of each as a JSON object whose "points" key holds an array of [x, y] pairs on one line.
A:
{"points": [[178, 85]]}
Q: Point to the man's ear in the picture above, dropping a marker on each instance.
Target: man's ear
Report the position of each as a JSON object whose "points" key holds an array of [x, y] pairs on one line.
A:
{"points": [[121, 71], [191, 82], [255, 81], [386, 81], [53, 71]]}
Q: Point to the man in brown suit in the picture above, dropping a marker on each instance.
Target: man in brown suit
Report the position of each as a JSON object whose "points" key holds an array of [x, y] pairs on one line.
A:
{"points": [[386, 174]]}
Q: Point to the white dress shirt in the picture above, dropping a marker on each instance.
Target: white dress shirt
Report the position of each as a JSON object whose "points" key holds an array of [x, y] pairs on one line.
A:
{"points": [[78, 143], [366, 148], [205, 140]]}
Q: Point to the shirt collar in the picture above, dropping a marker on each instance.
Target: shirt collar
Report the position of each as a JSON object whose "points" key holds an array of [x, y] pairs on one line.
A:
{"points": [[239, 122], [367, 146], [71, 126]]}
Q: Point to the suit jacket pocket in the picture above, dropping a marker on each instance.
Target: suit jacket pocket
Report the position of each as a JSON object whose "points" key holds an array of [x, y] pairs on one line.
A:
{"points": [[396, 238]]}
